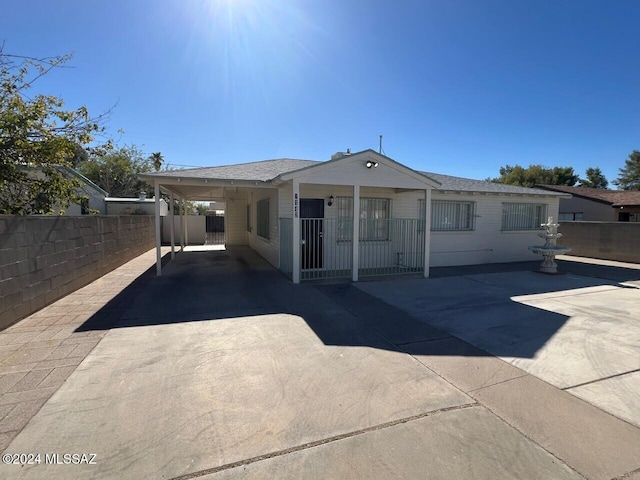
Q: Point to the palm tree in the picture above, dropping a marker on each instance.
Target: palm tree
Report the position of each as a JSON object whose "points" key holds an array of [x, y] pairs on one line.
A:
{"points": [[157, 160]]}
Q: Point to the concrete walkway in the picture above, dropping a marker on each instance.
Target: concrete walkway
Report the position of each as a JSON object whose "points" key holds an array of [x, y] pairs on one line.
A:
{"points": [[222, 368], [41, 351]]}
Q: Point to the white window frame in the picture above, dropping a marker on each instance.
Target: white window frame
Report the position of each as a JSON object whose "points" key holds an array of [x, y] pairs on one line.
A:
{"points": [[449, 215], [523, 216]]}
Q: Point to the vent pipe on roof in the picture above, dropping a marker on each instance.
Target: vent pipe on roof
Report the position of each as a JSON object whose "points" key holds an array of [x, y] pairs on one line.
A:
{"points": [[341, 154]]}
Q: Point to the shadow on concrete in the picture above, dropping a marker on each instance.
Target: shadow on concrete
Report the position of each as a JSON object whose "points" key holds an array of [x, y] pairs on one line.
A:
{"points": [[237, 283]]}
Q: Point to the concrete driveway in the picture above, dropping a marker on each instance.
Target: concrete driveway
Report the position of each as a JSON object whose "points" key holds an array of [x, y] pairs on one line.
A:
{"points": [[580, 333], [222, 368]]}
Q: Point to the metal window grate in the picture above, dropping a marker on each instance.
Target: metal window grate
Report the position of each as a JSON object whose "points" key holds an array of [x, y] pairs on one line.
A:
{"points": [[523, 216], [263, 218], [449, 216], [374, 216]]}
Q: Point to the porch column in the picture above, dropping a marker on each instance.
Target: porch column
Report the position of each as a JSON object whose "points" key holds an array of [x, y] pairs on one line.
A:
{"points": [[173, 226], [158, 240], [355, 241], [427, 230], [296, 232], [181, 225]]}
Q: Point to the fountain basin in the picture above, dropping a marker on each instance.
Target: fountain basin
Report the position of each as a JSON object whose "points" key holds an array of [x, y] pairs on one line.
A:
{"points": [[549, 253]]}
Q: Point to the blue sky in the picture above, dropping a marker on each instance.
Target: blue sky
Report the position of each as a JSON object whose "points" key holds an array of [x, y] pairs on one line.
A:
{"points": [[459, 87]]}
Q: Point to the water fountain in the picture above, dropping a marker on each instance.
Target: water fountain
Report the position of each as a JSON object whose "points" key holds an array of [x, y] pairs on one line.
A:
{"points": [[549, 250]]}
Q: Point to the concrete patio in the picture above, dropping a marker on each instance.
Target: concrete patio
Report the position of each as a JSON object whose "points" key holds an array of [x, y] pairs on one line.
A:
{"points": [[222, 368]]}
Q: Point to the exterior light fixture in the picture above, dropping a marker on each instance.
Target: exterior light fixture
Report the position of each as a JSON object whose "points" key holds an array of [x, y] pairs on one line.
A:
{"points": [[370, 164], [330, 201]]}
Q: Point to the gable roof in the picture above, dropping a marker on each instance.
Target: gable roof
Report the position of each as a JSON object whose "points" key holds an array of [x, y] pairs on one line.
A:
{"points": [[369, 155], [271, 170], [73, 172], [615, 198]]}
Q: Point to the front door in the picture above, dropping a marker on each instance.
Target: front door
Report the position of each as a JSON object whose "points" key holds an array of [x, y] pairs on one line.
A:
{"points": [[311, 213]]}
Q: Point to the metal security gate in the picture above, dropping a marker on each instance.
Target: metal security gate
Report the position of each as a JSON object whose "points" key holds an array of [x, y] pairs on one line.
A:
{"points": [[215, 230], [312, 246]]}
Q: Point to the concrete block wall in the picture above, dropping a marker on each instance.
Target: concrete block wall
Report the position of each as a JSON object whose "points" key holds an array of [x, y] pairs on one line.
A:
{"points": [[605, 240], [43, 258]]}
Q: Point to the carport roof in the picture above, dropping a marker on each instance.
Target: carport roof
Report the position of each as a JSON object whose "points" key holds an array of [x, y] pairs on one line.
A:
{"points": [[261, 171]]}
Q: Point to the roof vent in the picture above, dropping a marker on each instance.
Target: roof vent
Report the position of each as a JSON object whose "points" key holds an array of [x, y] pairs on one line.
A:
{"points": [[337, 155]]}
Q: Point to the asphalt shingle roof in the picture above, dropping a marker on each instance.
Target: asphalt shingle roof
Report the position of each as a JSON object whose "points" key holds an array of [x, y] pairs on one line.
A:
{"points": [[469, 185], [615, 198], [261, 171], [266, 170]]}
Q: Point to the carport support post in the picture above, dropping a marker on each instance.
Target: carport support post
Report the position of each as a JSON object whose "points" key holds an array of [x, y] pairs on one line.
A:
{"points": [[186, 224], [295, 274], [181, 225], [158, 249], [427, 230], [355, 241], [173, 226]]}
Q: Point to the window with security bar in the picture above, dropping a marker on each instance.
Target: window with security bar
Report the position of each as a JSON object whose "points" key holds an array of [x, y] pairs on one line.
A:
{"points": [[449, 216], [262, 220], [374, 218], [523, 216]]}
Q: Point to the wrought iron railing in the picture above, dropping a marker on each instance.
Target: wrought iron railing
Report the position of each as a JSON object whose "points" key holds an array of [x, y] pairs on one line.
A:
{"points": [[386, 247]]}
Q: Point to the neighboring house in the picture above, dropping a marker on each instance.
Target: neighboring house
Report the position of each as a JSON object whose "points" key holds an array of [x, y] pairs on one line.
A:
{"points": [[597, 204], [134, 206], [298, 214], [94, 195]]}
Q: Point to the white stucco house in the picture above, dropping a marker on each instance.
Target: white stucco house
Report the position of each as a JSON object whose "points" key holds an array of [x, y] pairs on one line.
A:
{"points": [[298, 215]]}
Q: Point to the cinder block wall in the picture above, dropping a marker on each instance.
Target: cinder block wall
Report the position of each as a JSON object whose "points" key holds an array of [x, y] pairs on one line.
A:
{"points": [[43, 258], [606, 240]]}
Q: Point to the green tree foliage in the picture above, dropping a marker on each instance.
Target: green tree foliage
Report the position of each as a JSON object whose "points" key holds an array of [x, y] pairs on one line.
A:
{"points": [[117, 171], [595, 179], [629, 176], [38, 137], [536, 175]]}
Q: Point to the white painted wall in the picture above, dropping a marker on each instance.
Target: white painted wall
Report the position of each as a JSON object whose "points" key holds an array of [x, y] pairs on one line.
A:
{"points": [[268, 248], [486, 244], [235, 216], [196, 229]]}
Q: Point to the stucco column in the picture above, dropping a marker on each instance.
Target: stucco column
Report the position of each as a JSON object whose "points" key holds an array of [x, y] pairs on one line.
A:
{"points": [[158, 239], [295, 274], [173, 226], [427, 230], [355, 241]]}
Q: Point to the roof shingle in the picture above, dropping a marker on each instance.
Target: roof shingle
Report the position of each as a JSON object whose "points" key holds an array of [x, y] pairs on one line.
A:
{"points": [[261, 171], [267, 170]]}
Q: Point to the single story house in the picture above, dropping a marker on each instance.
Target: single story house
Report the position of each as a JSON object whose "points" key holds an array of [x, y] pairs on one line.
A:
{"points": [[140, 205], [597, 204], [299, 215]]}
